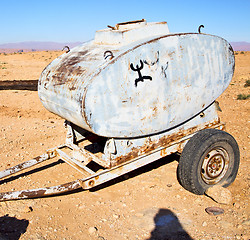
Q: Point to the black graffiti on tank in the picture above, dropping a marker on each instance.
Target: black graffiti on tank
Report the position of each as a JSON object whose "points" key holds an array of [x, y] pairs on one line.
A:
{"points": [[138, 69]]}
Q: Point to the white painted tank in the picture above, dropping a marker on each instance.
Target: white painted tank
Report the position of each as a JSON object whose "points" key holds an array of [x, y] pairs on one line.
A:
{"points": [[137, 79]]}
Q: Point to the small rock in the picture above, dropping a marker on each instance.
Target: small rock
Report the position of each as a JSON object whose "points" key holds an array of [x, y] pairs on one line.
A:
{"points": [[239, 226], [214, 210], [236, 204], [101, 238], [204, 224], [219, 194], [27, 209], [116, 216], [246, 222], [82, 207], [218, 218], [92, 230]]}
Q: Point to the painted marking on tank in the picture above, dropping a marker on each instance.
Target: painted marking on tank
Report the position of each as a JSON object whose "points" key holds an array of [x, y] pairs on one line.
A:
{"points": [[138, 69]]}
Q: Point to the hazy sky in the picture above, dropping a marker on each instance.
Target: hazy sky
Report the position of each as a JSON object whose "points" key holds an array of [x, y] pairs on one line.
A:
{"points": [[77, 20]]}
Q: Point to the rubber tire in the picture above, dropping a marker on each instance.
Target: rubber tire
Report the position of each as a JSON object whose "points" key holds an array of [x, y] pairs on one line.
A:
{"points": [[196, 149]]}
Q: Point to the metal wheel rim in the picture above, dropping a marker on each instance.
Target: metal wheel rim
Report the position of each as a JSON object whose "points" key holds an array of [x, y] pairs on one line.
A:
{"points": [[215, 165]]}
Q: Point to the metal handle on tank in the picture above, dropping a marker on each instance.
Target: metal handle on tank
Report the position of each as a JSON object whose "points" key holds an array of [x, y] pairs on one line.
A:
{"points": [[199, 29], [125, 23], [108, 54]]}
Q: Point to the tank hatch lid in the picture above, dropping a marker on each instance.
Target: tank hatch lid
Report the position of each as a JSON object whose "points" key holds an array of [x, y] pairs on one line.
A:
{"points": [[127, 32]]}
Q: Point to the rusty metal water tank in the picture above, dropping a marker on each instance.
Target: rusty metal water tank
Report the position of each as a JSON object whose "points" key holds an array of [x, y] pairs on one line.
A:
{"points": [[137, 79]]}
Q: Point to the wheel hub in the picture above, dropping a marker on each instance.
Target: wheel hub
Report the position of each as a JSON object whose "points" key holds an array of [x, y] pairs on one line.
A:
{"points": [[214, 166]]}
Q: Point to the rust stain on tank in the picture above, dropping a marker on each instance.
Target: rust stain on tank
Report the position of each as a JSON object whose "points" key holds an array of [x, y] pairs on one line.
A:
{"points": [[68, 70]]}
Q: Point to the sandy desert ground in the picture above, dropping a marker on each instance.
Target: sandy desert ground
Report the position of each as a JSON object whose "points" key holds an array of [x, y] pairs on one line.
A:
{"points": [[146, 204]]}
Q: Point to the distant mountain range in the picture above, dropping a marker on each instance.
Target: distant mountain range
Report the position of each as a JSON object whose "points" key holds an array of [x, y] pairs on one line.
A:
{"points": [[35, 46], [241, 46], [41, 46]]}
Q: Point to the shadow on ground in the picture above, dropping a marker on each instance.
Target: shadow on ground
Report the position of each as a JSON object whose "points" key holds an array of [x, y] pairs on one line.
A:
{"points": [[30, 85], [168, 227], [138, 171], [12, 228]]}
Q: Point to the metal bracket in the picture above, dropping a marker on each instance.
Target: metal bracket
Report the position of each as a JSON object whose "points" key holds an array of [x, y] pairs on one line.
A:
{"points": [[70, 136]]}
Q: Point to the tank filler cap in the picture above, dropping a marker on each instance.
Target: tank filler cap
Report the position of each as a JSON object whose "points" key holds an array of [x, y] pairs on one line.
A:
{"points": [[127, 32]]}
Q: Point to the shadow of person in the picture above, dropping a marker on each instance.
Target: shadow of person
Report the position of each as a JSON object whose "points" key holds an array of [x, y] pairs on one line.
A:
{"points": [[168, 227], [12, 228]]}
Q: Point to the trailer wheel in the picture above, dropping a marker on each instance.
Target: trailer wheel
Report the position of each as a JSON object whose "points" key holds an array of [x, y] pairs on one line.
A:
{"points": [[211, 157]]}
